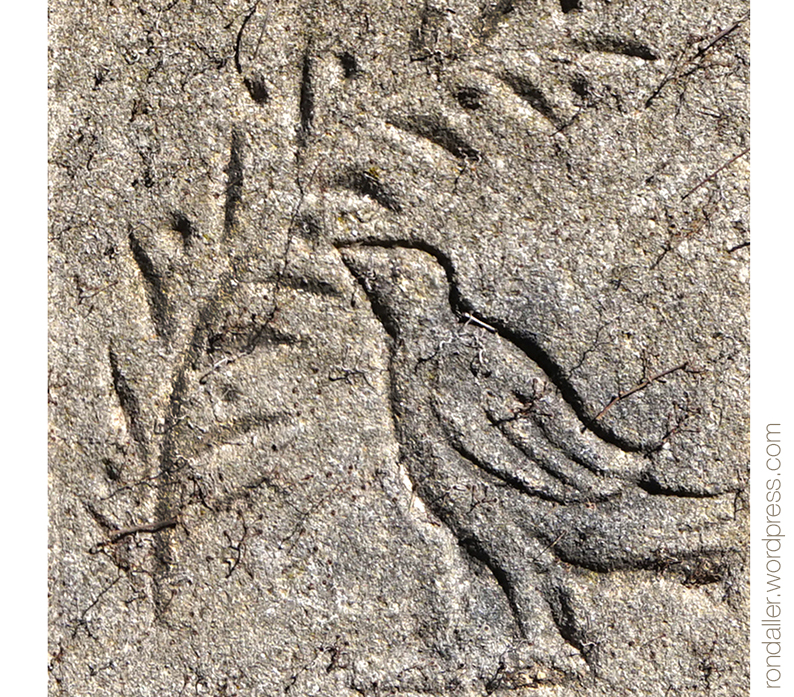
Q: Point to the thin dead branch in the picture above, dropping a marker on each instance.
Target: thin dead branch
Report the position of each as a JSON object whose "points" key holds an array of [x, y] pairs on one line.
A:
{"points": [[714, 174], [625, 395]]}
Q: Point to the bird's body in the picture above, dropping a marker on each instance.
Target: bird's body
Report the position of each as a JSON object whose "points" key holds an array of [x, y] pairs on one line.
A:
{"points": [[501, 458]]}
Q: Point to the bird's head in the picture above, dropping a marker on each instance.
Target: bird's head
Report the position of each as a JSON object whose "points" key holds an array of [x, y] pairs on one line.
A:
{"points": [[407, 288]]}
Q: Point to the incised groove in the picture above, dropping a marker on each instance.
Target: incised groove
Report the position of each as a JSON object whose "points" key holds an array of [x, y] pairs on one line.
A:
{"points": [[159, 305], [434, 129], [368, 184], [129, 405], [234, 182]]}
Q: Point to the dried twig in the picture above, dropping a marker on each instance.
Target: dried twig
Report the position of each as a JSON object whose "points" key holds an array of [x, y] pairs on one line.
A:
{"points": [[218, 364], [473, 320], [238, 42], [721, 35], [623, 395], [86, 293], [82, 621], [714, 173], [158, 525], [549, 546], [674, 75]]}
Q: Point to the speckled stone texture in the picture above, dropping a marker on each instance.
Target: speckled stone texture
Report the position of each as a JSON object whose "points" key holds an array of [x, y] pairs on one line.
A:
{"points": [[398, 348]]}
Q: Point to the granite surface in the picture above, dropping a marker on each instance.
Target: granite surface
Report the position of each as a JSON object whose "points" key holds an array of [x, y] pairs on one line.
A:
{"points": [[398, 348]]}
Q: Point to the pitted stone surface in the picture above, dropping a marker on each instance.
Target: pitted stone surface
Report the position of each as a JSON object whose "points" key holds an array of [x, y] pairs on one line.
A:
{"points": [[398, 348]]}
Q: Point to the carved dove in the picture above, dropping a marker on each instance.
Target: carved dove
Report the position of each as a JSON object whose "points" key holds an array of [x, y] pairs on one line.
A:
{"points": [[497, 454]]}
